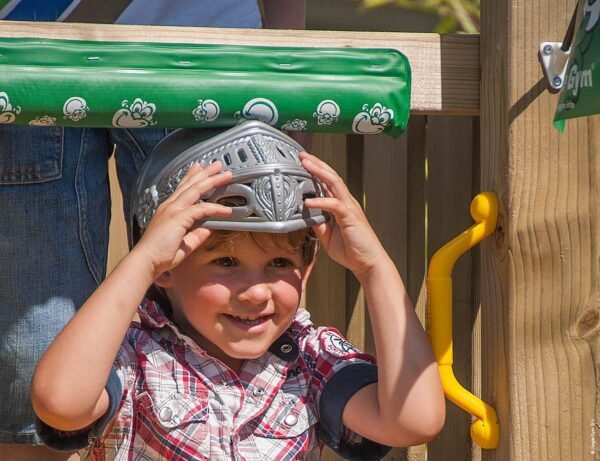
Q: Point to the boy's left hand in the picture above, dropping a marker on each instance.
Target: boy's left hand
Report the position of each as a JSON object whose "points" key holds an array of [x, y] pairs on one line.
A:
{"points": [[349, 239]]}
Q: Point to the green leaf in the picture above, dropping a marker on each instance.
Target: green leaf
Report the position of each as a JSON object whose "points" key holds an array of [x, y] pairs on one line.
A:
{"points": [[446, 25]]}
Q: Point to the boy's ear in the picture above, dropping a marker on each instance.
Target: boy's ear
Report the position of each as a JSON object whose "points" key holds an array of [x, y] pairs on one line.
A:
{"points": [[164, 280], [307, 272]]}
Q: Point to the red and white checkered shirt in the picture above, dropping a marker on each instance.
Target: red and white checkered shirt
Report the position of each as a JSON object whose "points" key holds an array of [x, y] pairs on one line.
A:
{"points": [[170, 400]]}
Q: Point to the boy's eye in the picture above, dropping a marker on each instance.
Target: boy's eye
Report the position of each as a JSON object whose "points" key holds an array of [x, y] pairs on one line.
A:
{"points": [[226, 261], [281, 262]]}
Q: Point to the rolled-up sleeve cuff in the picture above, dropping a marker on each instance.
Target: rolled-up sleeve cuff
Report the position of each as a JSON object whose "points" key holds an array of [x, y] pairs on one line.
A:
{"points": [[76, 440], [336, 393]]}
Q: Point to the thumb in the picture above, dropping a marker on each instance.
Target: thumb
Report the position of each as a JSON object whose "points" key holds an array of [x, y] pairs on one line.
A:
{"points": [[195, 238], [323, 232]]}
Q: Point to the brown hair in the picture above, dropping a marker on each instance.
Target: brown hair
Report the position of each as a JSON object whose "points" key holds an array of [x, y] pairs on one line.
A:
{"points": [[303, 239]]}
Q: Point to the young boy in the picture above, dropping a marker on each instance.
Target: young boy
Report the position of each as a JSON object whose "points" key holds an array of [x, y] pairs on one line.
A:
{"points": [[224, 364]]}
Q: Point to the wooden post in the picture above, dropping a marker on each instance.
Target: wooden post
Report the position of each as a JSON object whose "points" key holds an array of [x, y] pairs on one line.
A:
{"points": [[540, 289]]}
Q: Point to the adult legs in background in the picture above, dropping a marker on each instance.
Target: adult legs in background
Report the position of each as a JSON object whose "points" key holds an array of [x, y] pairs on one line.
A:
{"points": [[54, 218], [132, 148]]}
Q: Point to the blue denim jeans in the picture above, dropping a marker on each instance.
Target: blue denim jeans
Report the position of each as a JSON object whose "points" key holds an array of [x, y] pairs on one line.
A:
{"points": [[54, 220]]}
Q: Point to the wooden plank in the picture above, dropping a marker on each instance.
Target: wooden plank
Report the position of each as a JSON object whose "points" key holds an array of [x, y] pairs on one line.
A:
{"points": [[445, 68], [540, 281], [326, 289], [326, 294], [117, 242], [416, 135], [385, 197], [385, 201], [416, 180], [449, 194], [356, 309], [476, 358]]}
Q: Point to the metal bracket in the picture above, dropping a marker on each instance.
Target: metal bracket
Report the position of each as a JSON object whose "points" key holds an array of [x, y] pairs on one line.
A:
{"points": [[554, 63]]}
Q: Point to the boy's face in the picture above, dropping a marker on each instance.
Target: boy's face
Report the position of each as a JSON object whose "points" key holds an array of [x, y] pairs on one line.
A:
{"points": [[238, 298]]}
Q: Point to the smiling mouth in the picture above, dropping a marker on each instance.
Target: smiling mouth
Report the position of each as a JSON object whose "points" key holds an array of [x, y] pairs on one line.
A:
{"points": [[249, 321]]}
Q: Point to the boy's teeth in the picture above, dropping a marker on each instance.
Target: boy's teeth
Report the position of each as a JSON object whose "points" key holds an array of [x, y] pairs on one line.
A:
{"points": [[250, 320]]}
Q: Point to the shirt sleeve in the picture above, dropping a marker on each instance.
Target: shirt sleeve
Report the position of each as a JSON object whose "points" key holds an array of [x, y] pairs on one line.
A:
{"points": [[337, 391], [341, 370], [76, 440]]}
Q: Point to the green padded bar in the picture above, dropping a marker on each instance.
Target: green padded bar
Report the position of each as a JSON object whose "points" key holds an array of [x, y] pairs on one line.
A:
{"points": [[137, 85]]}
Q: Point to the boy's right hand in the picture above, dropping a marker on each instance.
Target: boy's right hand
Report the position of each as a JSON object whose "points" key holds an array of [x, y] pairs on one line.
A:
{"points": [[349, 239], [171, 236]]}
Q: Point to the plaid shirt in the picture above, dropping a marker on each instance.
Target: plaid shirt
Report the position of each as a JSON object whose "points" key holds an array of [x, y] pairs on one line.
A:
{"points": [[170, 400]]}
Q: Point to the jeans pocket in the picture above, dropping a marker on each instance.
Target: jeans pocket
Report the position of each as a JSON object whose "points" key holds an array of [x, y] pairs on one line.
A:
{"points": [[30, 155]]}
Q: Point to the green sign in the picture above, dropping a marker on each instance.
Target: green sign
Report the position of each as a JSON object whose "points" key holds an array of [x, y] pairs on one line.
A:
{"points": [[579, 97], [138, 85]]}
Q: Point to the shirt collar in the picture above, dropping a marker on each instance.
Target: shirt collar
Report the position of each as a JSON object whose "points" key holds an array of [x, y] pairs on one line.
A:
{"points": [[151, 315]]}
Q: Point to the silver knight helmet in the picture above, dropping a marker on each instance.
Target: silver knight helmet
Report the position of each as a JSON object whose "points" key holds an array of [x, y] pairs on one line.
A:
{"points": [[266, 193]]}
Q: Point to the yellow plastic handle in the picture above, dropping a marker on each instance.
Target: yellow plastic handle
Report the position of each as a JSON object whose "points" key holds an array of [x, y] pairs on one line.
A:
{"points": [[485, 430]]}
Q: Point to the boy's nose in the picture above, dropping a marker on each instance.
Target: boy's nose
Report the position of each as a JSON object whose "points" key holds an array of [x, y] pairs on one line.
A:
{"points": [[255, 293]]}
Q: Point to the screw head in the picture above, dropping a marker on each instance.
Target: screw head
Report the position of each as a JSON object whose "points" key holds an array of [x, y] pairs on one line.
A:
{"points": [[557, 81], [547, 50]]}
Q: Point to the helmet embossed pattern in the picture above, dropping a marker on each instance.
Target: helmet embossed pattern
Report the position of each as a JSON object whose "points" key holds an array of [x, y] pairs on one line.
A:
{"points": [[266, 193]]}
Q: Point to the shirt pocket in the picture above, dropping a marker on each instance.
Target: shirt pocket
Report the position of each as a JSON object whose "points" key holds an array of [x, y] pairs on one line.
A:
{"points": [[286, 417], [167, 418], [30, 155]]}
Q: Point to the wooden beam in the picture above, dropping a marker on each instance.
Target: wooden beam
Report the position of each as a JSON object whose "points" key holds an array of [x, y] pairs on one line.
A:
{"points": [[541, 284], [445, 69], [451, 185]]}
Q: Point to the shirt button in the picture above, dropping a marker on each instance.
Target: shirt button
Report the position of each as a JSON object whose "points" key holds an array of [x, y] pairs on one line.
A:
{"points": [[166, 414], [258, 391], [290, 420]]}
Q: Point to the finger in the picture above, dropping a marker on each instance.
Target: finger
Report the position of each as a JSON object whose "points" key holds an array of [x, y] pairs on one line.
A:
{"points": [[188, 199], [326, 190], [192, 216], [193, 169], [319, 165], [329, 178], [196, 173], [317, 161], [196, 237], [323, 231], [340, 210], [199, 187], [204, 210]]}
